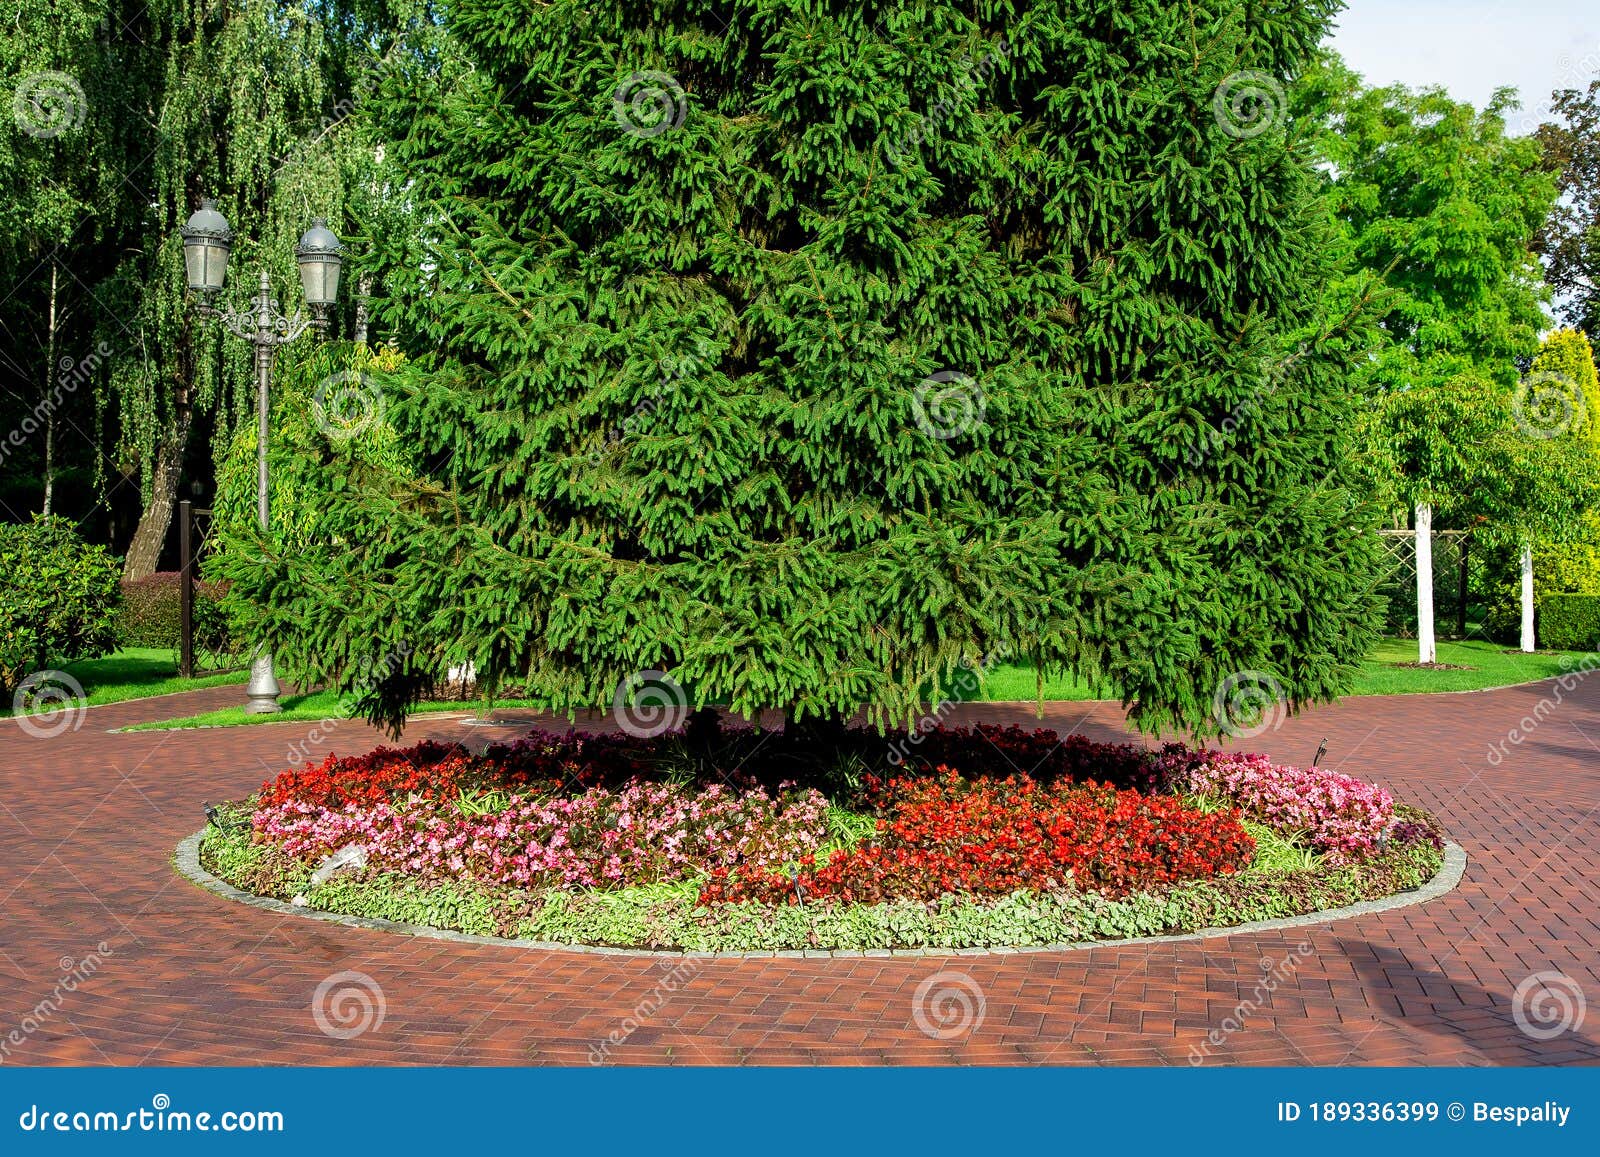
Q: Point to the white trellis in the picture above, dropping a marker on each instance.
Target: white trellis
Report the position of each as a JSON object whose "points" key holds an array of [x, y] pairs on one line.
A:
{"points": [[1411, 549]]}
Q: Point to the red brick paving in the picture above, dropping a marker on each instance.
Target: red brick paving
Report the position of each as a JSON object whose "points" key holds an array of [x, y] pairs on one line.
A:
{"points": [[88, 821]]}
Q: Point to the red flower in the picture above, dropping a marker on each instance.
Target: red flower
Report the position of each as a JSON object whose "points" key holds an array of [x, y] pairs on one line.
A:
{"points": [[996, 836]]}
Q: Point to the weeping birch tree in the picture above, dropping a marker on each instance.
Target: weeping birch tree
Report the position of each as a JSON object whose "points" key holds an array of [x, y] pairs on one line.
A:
{"points": [[232, 88], [124, 114], [260, 105], [58, 154]]}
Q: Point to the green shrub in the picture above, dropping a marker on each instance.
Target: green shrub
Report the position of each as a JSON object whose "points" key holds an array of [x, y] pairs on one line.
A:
{"points": [[1571, 567], [58, 601], [152, 614], [1569, 622], [1559, 568]]}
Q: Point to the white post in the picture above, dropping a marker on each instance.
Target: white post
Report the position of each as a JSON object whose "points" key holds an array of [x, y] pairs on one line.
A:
{"points": [[1527, 595], [1427, 651]]}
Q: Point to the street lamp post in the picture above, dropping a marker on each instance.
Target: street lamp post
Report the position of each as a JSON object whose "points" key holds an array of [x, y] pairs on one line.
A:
{"points": [[207, 241]]}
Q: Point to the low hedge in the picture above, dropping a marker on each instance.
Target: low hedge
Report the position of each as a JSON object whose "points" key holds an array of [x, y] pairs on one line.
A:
{"points": [[670, 917], [1569, 622], [152, 613]]}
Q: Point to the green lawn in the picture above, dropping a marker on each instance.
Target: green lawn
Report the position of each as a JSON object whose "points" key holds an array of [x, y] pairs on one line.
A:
{"points": [[315, 707], [1480, 664], [1487, 665], [1008, 682], [1383, 672], [135, 673]]}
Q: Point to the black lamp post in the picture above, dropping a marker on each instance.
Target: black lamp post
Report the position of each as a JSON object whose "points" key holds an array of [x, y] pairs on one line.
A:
{"points": [[207, 241]]}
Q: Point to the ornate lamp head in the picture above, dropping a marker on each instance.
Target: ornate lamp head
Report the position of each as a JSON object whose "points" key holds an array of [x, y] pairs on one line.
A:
{"points": [[207, 241], [319, 255]]}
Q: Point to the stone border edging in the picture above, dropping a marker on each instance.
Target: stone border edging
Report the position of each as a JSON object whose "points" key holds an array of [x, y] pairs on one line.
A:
{"points": [[187, 861]]}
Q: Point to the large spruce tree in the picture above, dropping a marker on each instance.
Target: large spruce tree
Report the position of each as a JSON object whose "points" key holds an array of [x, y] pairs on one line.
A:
{"points": [[806, 349]]}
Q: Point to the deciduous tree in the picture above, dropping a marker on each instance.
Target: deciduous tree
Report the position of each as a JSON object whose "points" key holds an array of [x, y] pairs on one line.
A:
{"points": [[1570, 239], [1441, 204]]}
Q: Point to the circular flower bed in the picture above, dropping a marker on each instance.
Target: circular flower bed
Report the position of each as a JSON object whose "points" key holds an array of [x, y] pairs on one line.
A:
{"points": [[739, 841]]}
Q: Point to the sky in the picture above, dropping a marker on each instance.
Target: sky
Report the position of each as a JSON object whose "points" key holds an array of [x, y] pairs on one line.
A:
{"points": [[1472, 47]]}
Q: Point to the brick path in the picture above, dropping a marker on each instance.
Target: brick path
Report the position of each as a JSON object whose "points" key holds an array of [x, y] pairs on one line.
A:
{"points": [[88, 821]]}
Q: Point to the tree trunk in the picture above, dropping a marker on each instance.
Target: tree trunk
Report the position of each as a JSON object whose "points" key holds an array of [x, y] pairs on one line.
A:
{"points": [[817, 734], [1427, 650], [1527, 596], [49, 394], [49, 462], [363, 290], [144, 552]]}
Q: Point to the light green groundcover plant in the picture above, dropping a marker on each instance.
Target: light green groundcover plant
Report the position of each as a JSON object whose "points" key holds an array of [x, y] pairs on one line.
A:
{"points": [[1283, 881]]}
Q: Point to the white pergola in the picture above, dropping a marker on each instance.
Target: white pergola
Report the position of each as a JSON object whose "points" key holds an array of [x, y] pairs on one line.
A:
{"points": [[1422, 534]]}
